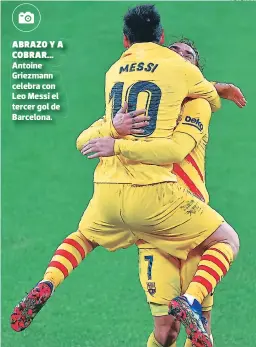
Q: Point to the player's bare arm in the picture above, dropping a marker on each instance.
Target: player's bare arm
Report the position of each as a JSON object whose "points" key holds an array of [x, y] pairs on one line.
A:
{"points": [[232, 93]]}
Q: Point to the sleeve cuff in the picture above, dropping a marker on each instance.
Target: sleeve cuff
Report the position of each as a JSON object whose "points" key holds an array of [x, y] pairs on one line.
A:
{"points": [[117, 149]]}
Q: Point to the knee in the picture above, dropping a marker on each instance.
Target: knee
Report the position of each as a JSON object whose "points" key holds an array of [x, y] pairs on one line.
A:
{"points": [[235, 244], [224, 234], [89, 245], [231, 237]]}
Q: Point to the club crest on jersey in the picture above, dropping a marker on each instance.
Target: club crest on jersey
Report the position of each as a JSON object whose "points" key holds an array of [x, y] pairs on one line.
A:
{"points": [[151, 288], [194, 122]]}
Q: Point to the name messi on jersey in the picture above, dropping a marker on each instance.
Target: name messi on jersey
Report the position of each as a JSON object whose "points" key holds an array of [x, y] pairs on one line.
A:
{"points": [[195, 122], [150, 67]]}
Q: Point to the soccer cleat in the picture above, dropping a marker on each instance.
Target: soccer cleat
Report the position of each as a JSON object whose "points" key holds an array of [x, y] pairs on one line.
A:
{"points": [[28, 308], [191, 317]]}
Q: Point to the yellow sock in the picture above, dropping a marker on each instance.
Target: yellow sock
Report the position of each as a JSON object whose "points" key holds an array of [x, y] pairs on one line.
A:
{"points": [[152, 341], [67, 257], [212, 267]]}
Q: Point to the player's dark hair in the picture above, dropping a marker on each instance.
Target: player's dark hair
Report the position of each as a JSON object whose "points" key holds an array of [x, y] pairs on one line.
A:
{"points": [[142, 24]]}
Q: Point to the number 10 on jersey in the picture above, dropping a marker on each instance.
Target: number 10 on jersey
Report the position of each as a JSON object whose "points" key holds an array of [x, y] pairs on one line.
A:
{"points": [[153, 99]]}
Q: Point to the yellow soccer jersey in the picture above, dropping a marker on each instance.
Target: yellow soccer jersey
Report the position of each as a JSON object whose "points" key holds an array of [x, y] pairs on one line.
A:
{"points": [[153, 77], [194, 121]]}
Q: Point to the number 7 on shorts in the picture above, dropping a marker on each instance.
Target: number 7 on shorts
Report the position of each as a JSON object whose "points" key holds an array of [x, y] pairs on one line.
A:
{"points": [[149, 259]]}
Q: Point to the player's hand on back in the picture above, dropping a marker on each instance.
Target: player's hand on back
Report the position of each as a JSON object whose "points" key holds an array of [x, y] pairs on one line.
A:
{"points": [[232, 93], [99, 147], [125, 123], [130, 123]]}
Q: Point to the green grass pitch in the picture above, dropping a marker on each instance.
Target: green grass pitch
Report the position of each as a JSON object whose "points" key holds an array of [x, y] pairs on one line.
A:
{"points": [[46, 184]]}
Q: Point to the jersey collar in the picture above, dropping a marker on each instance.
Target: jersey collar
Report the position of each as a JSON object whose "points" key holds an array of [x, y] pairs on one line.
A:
{"points": [[139, 47]]}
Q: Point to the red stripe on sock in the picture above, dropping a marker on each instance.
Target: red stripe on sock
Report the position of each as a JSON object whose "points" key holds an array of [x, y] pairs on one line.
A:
{"points": [[192, 161], [177, 170], [60, 267], [216, 261], [69, 256], [76, 245], [204, 282], [217, 250], [210, 271]]}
